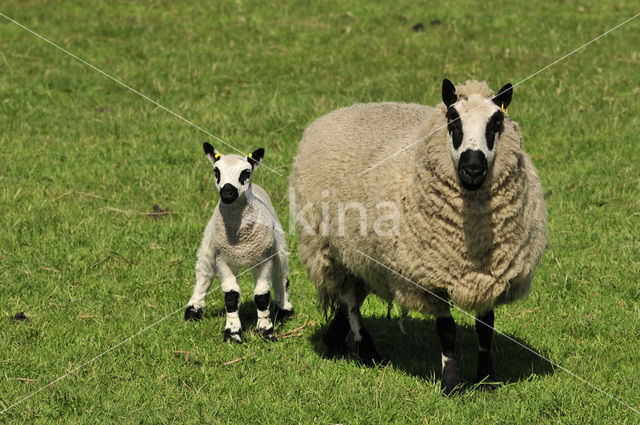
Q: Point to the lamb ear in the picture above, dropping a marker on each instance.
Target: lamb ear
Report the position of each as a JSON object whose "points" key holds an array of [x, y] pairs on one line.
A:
{"points": [[503, 98], [211, 153], [449, 96], [255, 157]]}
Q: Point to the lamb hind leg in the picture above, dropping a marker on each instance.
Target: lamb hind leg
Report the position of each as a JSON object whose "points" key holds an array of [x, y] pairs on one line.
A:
{"points": [[283, 309], [484, 329], [446, 328]]}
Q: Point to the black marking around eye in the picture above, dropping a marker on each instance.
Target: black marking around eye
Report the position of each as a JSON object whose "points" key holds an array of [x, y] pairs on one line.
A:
{"points": [[217, 173], [244, 176], [454, 124], [494, 126]]}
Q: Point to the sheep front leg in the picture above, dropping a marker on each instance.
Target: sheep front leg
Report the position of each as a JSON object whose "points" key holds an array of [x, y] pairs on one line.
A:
{"points": [[484, 329], [446, 328], [261, 294], [231, 289]]}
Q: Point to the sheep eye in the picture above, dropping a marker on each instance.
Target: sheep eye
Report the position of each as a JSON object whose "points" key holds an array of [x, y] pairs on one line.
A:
{"points": [[454, 125], [216, 171], [244, 176], [494, 126]]}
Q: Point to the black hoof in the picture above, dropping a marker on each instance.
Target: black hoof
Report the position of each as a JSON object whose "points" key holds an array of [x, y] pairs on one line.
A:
{"points": [[366, 350], [451, 382], [232, 336], [280, 315], [336, 348], [370, 359], [336, 342], [192, 314], [267, 335], [488, 383]]}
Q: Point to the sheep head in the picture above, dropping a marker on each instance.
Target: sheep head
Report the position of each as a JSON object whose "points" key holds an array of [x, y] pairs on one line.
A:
{"points": [[474, 126]]}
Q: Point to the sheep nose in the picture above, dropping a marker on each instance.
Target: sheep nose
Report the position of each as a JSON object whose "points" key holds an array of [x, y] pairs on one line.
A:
{"points": [[472, 169], [228, 193]]}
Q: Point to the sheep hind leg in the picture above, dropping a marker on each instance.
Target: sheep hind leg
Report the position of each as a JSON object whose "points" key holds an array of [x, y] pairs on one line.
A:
{"points": [[446, 328], [335, 337], [365, 347], [484, 329]]}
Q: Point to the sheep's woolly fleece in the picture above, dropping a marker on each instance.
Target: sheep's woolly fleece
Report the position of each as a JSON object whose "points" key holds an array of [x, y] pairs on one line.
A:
{"points": [[477, 249]]}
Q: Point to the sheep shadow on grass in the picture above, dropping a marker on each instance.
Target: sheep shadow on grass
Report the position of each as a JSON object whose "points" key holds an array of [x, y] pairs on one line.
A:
{"points": [[418, 351]]}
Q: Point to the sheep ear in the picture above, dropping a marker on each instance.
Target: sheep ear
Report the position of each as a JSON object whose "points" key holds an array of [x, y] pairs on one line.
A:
{"points": [[503, 98], [449, 96], [255, 157], [211, 153]]}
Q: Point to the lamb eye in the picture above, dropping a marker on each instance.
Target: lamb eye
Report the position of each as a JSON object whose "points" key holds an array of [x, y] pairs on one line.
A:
{"points": [[244, 176], [216, 171]]}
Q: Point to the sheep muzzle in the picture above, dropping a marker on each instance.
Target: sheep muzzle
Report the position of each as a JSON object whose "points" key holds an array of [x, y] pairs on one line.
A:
{"points": [[228, 193], [472, 169]]}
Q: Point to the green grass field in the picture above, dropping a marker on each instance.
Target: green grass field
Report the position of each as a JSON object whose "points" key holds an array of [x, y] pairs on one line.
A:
{"points": [[82, 158]]}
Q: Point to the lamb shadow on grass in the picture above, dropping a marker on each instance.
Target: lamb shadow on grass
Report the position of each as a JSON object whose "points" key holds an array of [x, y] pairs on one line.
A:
{"points": [[418, 351]]}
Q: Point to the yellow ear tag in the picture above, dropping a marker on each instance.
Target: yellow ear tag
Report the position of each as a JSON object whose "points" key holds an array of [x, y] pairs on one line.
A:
{"points": [[503, 109], [250, 154], [216, 156]]}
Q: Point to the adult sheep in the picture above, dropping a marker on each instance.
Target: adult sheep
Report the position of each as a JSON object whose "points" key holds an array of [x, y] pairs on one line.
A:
{"points": [[465, 218]]}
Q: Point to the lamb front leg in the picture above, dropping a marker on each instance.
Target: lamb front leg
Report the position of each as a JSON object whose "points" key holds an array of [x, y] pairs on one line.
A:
{"points": [[261, 295], [231, 289]]}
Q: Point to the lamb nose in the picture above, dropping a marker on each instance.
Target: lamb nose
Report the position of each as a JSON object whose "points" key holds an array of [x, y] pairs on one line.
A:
{"points": [[229, 189]]}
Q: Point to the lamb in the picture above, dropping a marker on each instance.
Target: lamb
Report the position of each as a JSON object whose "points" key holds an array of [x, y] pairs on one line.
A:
{"points": [[243, 231], [468, 222]]}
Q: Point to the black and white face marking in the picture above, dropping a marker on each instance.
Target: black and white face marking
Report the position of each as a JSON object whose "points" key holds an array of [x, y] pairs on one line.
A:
{"points": [[454, 126], [474, 127], [232, 172], [494, 128]]}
